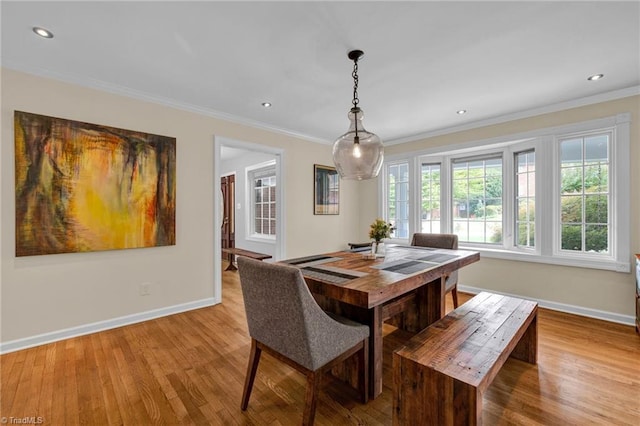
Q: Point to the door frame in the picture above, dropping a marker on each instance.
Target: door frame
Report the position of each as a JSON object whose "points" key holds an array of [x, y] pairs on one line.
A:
{"points": [[280, 252], [234, 173]]}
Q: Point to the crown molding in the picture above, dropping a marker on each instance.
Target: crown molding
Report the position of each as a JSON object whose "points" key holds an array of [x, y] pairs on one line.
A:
{"points": [[143, 96], [103, 86]]}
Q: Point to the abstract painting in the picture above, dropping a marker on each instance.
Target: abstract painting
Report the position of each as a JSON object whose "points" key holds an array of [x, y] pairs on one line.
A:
{"points": [[86, 187]]}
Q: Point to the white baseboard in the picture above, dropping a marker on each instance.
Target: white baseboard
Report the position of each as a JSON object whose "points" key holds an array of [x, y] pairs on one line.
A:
{"points": [[562, 307], [54, 336]]}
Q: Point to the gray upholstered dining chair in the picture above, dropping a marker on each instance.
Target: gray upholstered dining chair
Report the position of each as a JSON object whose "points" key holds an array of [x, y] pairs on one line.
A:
{"points": [[286, 322], [445, 241]]}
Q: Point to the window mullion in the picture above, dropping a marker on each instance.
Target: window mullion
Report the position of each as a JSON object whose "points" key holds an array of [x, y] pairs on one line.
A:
{"points": [[547, 196], [509, 207], [446, 196], [415, 184]]}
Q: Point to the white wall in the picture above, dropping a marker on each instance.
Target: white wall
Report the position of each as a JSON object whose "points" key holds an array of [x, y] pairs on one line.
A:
{"points": [[49, 297], [591, 292]]}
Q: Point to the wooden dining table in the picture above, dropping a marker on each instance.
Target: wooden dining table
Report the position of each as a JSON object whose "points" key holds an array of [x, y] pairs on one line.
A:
{"points": [[406, 287]]}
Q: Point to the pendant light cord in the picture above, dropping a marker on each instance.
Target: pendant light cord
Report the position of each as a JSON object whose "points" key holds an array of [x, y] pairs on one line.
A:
{"points": [[354, 74], [355, 100]]}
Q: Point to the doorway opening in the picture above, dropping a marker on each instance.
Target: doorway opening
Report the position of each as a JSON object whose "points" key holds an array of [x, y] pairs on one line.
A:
{"points": [[249, 208]]}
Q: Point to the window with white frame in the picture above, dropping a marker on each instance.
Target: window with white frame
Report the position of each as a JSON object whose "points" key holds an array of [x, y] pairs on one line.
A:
{"points": [[397, 198], [430, 197], [584, 193], [477, 199], [525, 199], [558, 195], [262, 181]]}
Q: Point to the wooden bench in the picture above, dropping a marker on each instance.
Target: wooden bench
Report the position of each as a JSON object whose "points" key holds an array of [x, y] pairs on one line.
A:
{"points": [[242, 252], [440, 374]]}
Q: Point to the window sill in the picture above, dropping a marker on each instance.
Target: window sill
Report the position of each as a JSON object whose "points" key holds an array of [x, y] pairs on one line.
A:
{"points": [[609, 265], [499, 253], [261, 239]]}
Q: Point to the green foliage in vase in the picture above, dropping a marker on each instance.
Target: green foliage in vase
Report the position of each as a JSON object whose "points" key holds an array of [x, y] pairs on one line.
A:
{"points": [[380, 230]]}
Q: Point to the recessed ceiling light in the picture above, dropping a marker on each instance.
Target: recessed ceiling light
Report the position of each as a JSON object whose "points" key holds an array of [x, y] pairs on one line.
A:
{"points": [[42, 32], [461, 111], [266, 104], [595, 77]]}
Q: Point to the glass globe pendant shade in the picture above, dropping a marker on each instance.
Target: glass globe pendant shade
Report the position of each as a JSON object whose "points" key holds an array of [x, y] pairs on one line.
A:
{"points": [[358, 154]]}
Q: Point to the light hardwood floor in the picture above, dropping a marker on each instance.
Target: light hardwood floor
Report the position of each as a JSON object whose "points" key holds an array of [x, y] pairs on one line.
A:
{"points": [[189, 369]]}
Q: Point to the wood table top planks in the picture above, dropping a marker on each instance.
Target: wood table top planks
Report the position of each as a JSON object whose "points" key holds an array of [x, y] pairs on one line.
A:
{"points": [[377, 285]]}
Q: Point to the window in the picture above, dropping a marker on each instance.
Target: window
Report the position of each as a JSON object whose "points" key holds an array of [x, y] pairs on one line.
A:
{"points": [[430, 196], [584, 193], [559, 195], [525, 199], [477, 199], [263, 206], [398, 198]]}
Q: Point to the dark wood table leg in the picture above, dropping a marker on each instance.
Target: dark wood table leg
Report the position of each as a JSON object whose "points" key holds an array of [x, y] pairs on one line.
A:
{"points": [[231, 266], [426, 307], [375, 352], [435, 303]]}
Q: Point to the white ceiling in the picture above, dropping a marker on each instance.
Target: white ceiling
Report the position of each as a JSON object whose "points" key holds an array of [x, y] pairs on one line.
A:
{"points": [[423, 60]]}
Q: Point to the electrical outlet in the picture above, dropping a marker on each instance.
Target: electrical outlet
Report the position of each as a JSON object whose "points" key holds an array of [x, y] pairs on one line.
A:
{"points": [[145, 289]]}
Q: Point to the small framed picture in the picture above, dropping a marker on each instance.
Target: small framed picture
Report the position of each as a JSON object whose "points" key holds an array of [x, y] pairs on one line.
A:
{"points": [[326, 185]]}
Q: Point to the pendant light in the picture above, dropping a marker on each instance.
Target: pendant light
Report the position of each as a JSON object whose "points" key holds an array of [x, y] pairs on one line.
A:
{"points": [[357, 154]]}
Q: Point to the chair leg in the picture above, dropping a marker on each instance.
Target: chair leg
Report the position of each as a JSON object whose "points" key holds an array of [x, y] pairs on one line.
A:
{"points": [[454, 295], [252, 368], [314, 379]]}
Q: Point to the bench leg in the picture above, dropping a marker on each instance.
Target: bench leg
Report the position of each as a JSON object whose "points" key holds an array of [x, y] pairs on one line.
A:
{"points": [[422, 396], [527, 348], [467, 404]]}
